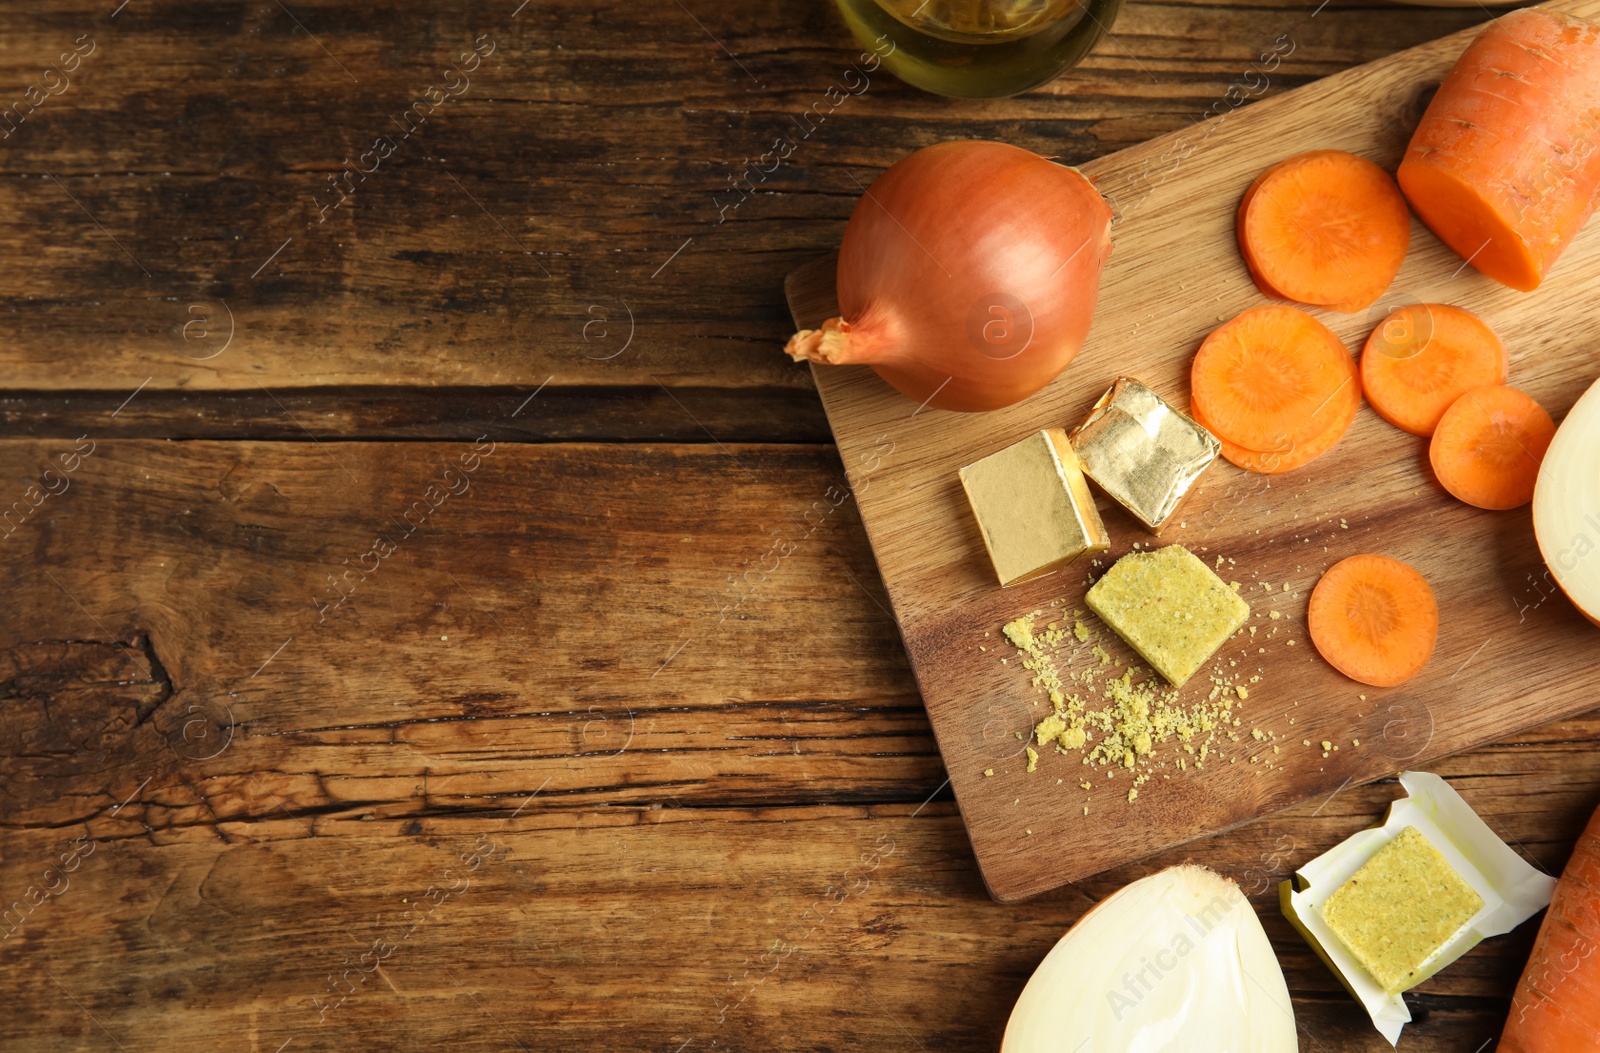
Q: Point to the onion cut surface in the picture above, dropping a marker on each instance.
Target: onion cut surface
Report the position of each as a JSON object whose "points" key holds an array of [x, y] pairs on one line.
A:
{"points": [[1566, 505], [1174, 961]]}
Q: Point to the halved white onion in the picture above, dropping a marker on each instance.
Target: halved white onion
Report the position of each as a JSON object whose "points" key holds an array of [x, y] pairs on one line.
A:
{"points": [[1176, 961], [1566, 505]]}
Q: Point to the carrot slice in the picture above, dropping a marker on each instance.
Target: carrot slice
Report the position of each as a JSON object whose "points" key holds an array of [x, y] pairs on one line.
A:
{"points": [[1422, 358], [1504, 166], [1339, 414], [1325, 227], [1267, 380], [1275, 462], [1489, 445], [1374, 619], [1556, 1008], [1244, 246], [1262, 283]]}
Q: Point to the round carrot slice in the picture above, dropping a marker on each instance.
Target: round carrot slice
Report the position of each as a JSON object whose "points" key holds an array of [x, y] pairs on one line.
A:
{"points": [[1422, 358], [1275, 462], [1339, 413], [1244, 245], [1374, 619], [1267, 379], [1489, 445], [1326, 227], [1265, 286]]}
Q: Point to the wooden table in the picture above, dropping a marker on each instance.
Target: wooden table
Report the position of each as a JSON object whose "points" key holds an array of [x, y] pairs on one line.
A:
{"points": [[414, 632]]}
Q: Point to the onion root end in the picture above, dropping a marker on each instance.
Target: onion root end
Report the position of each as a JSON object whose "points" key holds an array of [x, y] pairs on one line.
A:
{"points": [[830, 344]]}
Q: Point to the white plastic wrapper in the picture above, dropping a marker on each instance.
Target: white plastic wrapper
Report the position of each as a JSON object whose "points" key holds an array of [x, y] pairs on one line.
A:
{"points": [[1512, 890]]}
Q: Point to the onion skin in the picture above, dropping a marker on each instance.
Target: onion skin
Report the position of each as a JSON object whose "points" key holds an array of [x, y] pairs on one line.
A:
{"points": [[967, 276]]}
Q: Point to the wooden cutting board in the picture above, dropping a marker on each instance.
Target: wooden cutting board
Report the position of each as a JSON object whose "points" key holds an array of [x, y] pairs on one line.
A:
{"points": [[1512, 651]]}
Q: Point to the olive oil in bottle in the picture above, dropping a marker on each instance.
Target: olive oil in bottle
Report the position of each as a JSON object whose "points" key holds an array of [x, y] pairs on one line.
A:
{"points": [[979, 48]]}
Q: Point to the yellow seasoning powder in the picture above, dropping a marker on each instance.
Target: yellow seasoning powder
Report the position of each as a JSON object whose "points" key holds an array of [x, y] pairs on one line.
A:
{"points": [[1118, 721]]}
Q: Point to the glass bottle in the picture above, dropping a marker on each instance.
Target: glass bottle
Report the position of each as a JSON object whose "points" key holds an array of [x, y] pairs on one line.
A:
{"points": [[979, 49]]}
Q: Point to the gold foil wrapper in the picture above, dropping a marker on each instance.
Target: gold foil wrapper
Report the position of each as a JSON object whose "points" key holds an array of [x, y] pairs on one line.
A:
{"points": [[1143, 453], [1033, 506]]}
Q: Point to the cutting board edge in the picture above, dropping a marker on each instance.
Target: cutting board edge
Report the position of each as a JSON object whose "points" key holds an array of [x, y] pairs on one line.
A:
{"points": [[996, 881]]}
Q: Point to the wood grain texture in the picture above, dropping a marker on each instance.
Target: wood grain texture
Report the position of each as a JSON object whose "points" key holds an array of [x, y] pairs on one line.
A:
{"points": [[740, 942], [524, 234], [1174, 274], [567, 412], [648, 829], [627, 903], [539, 621]]}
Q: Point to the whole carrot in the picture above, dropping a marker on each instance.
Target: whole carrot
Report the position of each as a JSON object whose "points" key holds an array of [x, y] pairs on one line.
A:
{"points": [[1506, 162], [1557, 1005]]}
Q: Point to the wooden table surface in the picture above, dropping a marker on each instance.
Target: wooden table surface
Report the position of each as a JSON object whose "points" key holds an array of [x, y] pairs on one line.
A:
{"points": [[413, 634]]}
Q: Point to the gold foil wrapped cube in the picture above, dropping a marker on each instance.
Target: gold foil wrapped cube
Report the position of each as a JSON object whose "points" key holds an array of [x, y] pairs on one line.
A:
{"points": [[1143, 453], [1033, 507]]}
